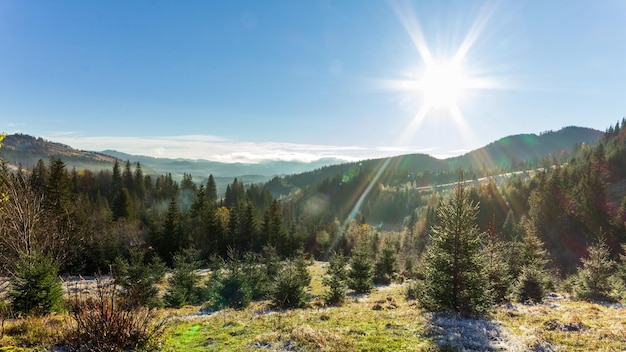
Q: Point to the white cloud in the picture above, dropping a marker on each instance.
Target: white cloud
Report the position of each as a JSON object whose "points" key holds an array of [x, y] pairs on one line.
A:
{"points": [[217, 148]]}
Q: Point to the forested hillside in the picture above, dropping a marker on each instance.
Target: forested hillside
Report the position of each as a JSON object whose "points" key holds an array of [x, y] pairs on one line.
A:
{"points": [[561, 226]]}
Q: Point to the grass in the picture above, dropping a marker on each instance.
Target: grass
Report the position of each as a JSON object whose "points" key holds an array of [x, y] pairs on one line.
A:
{"points": [[567, 325], [380, 321]]}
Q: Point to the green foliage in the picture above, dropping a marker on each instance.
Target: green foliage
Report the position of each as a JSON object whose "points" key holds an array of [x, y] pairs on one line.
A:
{"points": [[230, 289], [361, 273], [182, 284], [336, 279], [35, 287], [413, 290], [138, 278], [530, 285], [289, 290], [593, 279], [385, 266], [454, 272], [122, 205], [497, 269]]}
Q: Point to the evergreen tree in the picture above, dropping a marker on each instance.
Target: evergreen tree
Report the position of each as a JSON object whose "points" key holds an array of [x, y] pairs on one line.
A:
{"points": [[116, 179], [122, 205], [138, 279], [140, 183], [36, 288], [361, 273], [182, 284], [230, 288], [211, 190], [127, 177], [454, 272], [173, 239], [497, 269], [528, 265], [289, 287], [273, 229], [593, 279], [336, 279], [385, 266]]}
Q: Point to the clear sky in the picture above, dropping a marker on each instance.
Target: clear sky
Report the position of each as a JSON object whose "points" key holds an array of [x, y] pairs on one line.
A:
{"points": [[248, 80]]}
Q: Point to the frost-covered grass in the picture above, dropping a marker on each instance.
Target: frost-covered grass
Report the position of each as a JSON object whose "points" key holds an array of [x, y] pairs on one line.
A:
{"points": [[561, 324], [385, 321], [381, 321]]}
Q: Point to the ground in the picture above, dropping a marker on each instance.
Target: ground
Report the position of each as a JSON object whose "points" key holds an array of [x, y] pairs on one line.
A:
{"points": [[381, 321]]}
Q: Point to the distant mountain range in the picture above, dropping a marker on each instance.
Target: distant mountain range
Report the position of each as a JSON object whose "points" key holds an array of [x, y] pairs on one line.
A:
{"points": [[516, 152], [27, 150]]}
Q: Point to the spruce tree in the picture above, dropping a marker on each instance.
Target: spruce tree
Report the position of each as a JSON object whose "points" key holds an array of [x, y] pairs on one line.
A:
{"points": [[361, 273], [454, 271], [182, 284], [289, 289], [336, 279], [138, 279], [593, 279], [36, 288], [385, 266]]}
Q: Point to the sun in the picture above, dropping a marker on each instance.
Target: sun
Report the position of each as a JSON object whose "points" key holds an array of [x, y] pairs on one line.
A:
{"points": [[442, 84]]}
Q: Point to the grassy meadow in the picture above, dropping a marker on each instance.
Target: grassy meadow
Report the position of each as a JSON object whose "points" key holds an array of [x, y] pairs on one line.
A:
{"points": [[381, 321]]}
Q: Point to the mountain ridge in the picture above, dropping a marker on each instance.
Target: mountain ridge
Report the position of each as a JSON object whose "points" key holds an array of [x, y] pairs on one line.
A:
{"points": [[27, 150]]}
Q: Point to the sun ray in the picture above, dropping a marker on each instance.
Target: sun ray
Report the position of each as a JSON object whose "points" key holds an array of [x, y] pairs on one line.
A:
{"points": [[406, 15], [477, 27]]}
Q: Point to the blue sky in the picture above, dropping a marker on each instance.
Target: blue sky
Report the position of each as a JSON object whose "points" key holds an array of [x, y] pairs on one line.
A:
{"points": [[299, 80]]}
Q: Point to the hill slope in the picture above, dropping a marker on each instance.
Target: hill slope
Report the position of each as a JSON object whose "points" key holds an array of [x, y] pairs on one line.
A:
{"points": [[510, 153], [25, 150]]}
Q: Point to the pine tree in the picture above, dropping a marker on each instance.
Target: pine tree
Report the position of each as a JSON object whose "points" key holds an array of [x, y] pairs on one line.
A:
{"points": [[122, 205], [454, 272], [291, 282], [361, 273], [593, 279], [211, 190], [230, 288], [336, 279], [182, 284], [140, 183], [36, 288], [173, 239], [138, 279], [116, 181], [385, 266]]}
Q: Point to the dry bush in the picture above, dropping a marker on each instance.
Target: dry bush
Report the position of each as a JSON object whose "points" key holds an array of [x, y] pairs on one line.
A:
{"points": [[103, 322]]}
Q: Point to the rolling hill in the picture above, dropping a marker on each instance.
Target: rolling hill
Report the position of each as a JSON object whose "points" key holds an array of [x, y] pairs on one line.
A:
{"points": [[512, 152]]}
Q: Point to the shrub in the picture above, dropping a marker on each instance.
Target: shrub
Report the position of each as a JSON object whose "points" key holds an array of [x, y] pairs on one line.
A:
{"points": [[256, 271], [230, 289], [102, 324], [289, 288], [36, 288], [182, 284], [412, 291], [531, 285], [138, 279]]}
